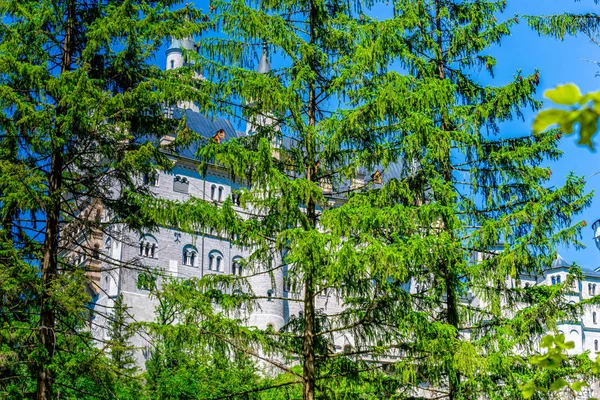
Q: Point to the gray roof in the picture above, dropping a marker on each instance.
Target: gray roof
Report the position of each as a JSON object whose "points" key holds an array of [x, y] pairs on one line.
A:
{"points": [[178, 44], [264, 66], [206, 127], [559, 261]]}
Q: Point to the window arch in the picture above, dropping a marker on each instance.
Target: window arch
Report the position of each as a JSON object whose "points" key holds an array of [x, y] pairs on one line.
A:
{"points": [[213, 189], [236, 266], [558, 279], [215, 261], [190, 255], [148, 246], [220, 194], [553, 280]]}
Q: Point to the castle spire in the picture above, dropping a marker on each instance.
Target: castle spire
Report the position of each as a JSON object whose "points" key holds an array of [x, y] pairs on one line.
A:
{"points": [[264, 66]]}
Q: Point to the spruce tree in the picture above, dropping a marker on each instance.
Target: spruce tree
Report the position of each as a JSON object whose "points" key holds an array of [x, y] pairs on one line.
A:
{"points": [[391, 191], [121, 351], [80, 108]]}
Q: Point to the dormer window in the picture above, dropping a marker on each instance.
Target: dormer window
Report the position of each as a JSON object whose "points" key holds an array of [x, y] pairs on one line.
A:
{"points": [[181, 184], [219, 135]]}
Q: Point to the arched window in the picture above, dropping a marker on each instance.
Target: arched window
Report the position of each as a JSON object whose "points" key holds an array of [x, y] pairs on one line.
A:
{"points": [[270, 295], [594, 317], [236, 266], [148, 246], [213, 189], [215, 261], [172, 64], [108, 244], [220, 193], [190, 254], [558, 279], [553, 280], [594, 289], [96, 253], [596, 345]]}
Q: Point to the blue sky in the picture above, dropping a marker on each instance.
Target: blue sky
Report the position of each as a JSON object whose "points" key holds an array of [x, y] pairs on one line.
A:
{"points": [[558, 62]]}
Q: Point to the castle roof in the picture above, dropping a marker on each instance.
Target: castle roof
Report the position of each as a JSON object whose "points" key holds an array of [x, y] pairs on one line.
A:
{"points": [[559, 261], [206, 127], [178, 44], [264, 66]]}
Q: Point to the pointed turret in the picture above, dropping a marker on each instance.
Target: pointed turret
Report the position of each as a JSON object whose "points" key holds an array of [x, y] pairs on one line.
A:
{"points": [[175, 56], [264, 66], [596, 228], [176, 59]]}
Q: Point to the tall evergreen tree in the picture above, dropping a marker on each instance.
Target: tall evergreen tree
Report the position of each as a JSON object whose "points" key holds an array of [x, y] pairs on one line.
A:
{"points": [[78, 102], [451, 207], [120, 334]]}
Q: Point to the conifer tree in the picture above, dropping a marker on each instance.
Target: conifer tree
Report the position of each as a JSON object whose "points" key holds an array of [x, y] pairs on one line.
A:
{"points": [[79, 107], [393, 193], [121, 351]]}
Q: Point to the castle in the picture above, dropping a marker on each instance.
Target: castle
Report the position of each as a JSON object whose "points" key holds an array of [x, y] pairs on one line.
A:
{"points": [[181, 255]]}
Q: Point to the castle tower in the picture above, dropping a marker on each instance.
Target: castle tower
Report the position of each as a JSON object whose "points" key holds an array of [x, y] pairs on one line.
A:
{"points": [[264, 67], [177, 58], [175, 53], [269, 286], [596, 228]]}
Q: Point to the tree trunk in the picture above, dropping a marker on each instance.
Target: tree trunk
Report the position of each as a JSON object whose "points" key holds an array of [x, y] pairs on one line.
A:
{"points": [[449, 276], [51, 241], [308, 350]]}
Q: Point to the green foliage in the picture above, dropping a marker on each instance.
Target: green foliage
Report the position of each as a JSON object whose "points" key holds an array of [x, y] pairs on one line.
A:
{"points": [[584, 111], [552, 360], [81, 116], [393, 194]]}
